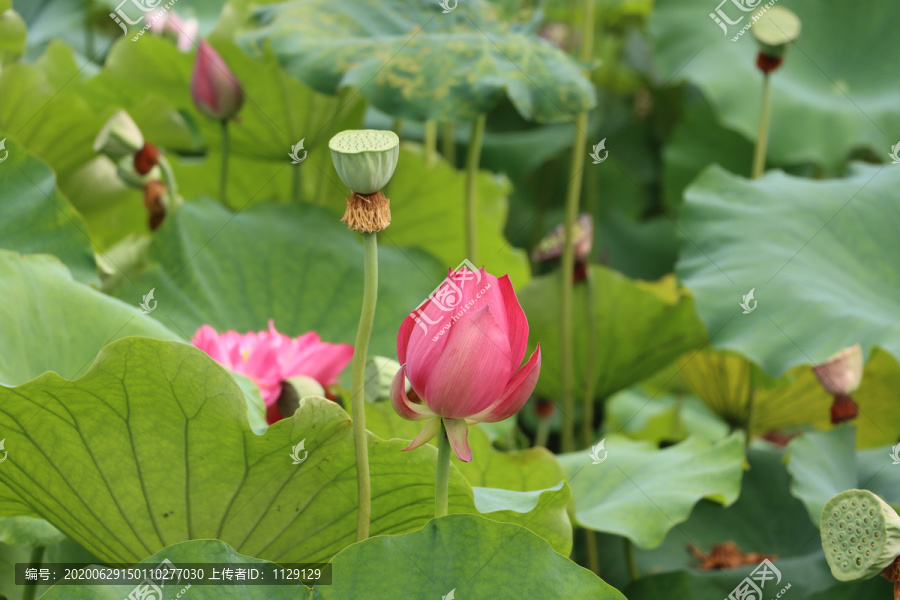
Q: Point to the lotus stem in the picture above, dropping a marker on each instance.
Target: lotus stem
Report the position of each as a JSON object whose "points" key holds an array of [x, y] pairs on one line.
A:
{"points": [[223, 176], [448, 142], [762, 136], [358, 372], [442, 475], [590, 539], [398, 127], [430, 142], [568, 255], [630, 561], [37, 557], [168, 176], [588, 425], [543, 433], [472, 161]]}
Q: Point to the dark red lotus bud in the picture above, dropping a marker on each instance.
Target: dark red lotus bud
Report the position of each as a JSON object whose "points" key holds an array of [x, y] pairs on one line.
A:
{"points": [[767, 64]]}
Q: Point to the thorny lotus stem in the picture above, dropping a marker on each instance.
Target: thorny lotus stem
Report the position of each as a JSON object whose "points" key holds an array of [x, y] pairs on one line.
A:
{"points": [[543, 433], [630, 561], [168, 176], [762, 136], [37, 557], [590, 538], [751, 409], [588, 425], [223, 176], [568, 256], [472, 162], [358, 372], [448, 142], [442, 476], [430, 142]]}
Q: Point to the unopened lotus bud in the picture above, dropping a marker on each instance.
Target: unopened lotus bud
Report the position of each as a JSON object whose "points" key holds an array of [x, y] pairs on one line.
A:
{"points": [[365, 159], [214, 88], [776, 28], [295, 388], [380, 372], [842, 372], [119, 137], [860, 535]]}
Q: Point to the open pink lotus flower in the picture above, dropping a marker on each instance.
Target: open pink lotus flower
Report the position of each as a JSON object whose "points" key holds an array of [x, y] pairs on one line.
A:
{"points": [[269, 358], [461, 351]]}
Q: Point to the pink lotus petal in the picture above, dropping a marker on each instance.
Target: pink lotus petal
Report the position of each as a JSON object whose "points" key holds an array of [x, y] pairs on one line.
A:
{"points": [[458, 433], [516, 394], [473, 369], [401, 402], [268, 358]]}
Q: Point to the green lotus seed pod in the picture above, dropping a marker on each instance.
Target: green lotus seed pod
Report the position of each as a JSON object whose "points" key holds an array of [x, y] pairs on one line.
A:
{"points": [[860, 535], [119, 137], [365, 159], [380, 373], [293, 390], [126, 172], [776, 28]]}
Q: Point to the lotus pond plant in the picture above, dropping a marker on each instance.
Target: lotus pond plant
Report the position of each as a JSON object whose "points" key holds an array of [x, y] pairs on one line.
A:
{"points": [[497, 370]]}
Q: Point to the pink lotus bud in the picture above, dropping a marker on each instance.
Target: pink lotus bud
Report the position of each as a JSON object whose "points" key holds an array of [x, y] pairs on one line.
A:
{"points": [[841, 373], [461, 351], [214, 88]]}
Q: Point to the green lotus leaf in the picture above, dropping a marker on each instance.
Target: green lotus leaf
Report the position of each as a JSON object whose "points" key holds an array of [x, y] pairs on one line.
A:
{"points": [[36, 218], [460, 555], [410, 60], [313, 283], [825, 463], [661, 418], [640, 492], [640, 328], [41, 303], [765, 519], [724, 381], [828, 99], [426, 212], [814, 254], [168, 456]]}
